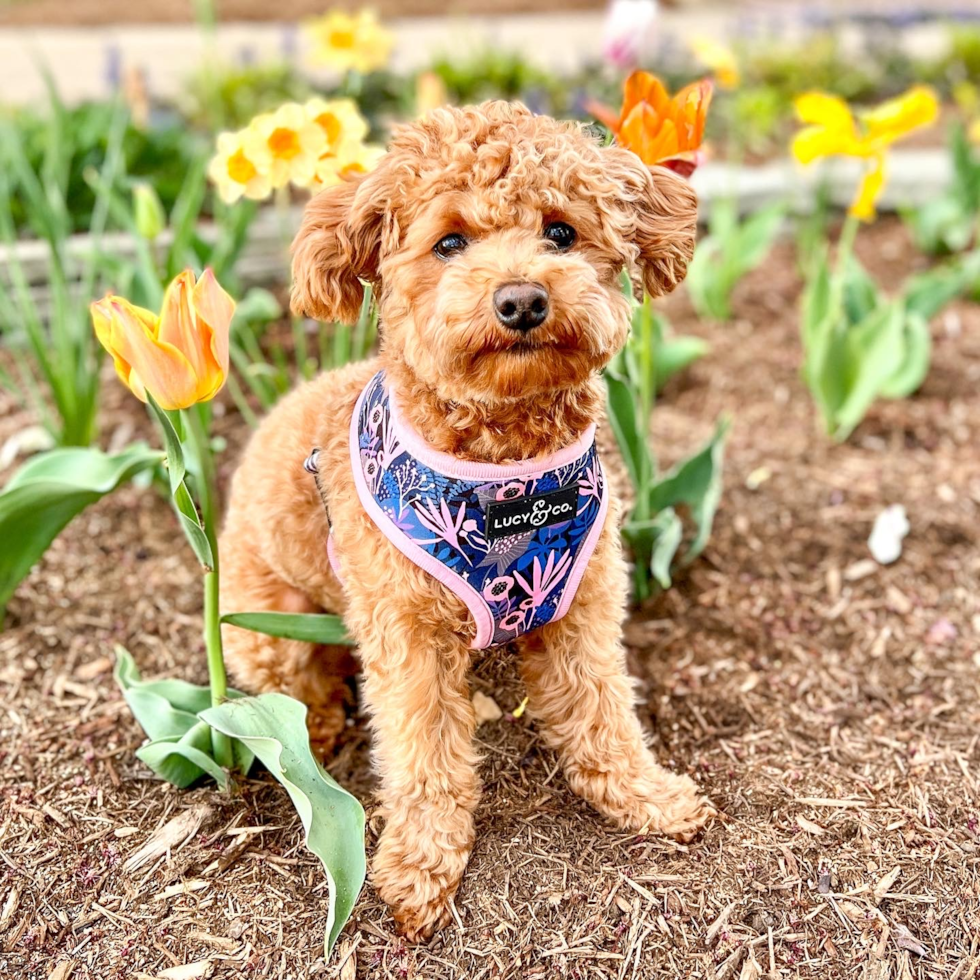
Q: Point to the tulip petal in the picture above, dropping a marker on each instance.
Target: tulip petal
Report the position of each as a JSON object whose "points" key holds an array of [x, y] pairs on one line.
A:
{"points": [[641, 132], [603, 113], [640, 87], [214, 309], [896, 118], [829, 111], [147, 363], [869, 191], [109, 315], [815, 141], [177, 323]]}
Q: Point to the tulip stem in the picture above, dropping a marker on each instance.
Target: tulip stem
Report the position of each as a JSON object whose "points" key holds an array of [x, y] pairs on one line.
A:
{"points": [[217, 676]]}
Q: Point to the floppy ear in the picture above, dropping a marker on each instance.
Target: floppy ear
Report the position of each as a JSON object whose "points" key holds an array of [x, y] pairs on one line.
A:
{"points": [[335, 248], [665, 209]]}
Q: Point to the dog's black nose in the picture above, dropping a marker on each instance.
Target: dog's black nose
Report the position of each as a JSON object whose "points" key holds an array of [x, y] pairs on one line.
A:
{"points": [[521, 305]]}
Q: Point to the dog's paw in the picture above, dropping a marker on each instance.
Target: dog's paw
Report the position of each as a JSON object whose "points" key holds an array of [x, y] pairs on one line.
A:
{"points": [[419, 897], [324, 723], [675, 808]]}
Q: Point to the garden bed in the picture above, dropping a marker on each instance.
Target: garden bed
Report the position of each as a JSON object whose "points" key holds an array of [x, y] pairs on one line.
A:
{"points": [[830, 708]]}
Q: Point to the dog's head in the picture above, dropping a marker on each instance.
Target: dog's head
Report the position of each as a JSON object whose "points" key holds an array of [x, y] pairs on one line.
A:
{"points": [[495, 240]]}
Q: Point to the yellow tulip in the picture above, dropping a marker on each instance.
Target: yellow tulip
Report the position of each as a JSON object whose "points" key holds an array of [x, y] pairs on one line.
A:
{"points": [[179, 357], [869, 190], [350, 42], [833, 130], [719, 59]]}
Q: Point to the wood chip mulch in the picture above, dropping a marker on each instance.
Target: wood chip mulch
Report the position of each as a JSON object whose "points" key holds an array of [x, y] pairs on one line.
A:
{"points": [[829, 706]]}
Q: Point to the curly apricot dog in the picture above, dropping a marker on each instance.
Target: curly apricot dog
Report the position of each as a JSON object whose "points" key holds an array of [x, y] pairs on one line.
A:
{"points": [[456, 474]]}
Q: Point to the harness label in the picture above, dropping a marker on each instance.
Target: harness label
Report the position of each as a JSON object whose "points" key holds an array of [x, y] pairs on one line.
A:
{"points": [[522, 514]]}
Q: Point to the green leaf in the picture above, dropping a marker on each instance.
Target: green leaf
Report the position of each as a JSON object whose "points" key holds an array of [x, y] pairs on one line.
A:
{"points": [[860, 292], [915, 364], [733, 249], [183, 761], [655, 542], [676, 353], [273, 726], [168, 711], [696, 482], [47, 492], [190, 522], [176, 467], [873, 351], [309, 627], [669, 532], [626, 426], [928, 292], [257, 307]]}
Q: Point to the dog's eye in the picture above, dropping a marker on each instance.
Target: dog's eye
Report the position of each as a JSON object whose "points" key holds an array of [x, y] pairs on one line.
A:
{"points": [[449, 246], [560, 235]]}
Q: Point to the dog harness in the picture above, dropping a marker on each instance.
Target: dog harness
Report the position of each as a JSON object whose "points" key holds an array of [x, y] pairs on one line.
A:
{"points": [[511, 540]]}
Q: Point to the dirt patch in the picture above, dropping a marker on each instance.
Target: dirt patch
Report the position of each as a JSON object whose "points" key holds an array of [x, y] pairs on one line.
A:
{"points": [[830, 708]]}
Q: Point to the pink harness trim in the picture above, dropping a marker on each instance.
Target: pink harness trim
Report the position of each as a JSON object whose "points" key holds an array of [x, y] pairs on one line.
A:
{"points": [[450, 466]]}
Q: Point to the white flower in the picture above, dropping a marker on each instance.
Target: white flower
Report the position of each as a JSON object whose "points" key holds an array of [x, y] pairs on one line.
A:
{"points": [[891, 526], [628, 27]]}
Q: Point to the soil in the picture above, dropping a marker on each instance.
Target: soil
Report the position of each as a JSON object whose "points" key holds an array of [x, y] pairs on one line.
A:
{"points": [[829, 706], [92, 13]]}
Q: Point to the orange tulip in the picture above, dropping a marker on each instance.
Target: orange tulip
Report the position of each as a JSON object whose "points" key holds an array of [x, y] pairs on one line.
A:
{"points": [[180, 357], [657, 128]]}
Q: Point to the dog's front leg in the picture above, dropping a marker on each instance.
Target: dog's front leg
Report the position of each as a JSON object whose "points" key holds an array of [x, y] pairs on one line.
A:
{"points": [[416, 689], [580, 691]]}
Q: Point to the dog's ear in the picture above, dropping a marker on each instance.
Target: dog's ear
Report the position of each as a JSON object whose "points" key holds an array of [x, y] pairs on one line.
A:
{"points": [[337, 246], [665, 212]]}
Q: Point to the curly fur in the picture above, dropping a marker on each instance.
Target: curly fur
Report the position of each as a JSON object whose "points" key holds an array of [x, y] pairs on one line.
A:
{"points": [[498, 175]]}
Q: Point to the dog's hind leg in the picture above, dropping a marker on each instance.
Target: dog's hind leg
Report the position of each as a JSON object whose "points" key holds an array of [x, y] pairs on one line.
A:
{"points": [[313, 674], [580, 691]]}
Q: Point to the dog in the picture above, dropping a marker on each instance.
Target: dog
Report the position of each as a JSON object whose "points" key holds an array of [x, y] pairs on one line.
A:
{"points": [[495, 240]]}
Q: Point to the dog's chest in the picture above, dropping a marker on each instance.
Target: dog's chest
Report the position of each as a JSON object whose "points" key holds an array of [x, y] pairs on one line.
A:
{"points": [[511, 541]]}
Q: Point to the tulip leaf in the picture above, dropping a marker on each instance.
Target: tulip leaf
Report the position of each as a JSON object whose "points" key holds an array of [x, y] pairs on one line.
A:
{"points": [[176, 468], [908, 378], [49, 490], [310, 627], [183, 761], [273, 726], [696, 482], [168, 711], [628, 428], [674, 354], [191, 523]]}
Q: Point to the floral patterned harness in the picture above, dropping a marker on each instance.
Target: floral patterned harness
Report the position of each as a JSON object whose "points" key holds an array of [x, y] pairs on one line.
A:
{"points": [[512, 540]]}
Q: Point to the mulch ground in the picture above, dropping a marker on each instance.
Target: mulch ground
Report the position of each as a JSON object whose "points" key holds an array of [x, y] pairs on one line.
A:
{"points": [[830, 707]]}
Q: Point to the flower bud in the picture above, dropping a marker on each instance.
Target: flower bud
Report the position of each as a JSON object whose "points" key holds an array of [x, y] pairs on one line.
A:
{"points": [[148, 212]]}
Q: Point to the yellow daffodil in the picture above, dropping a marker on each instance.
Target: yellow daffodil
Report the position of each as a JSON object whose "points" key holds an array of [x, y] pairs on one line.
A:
{"points": [[179, 357], [973, 133], [832, 129], [340, 120], [350, 42], [352, 159], [719, 59], [234, 174], [285, 145]]}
